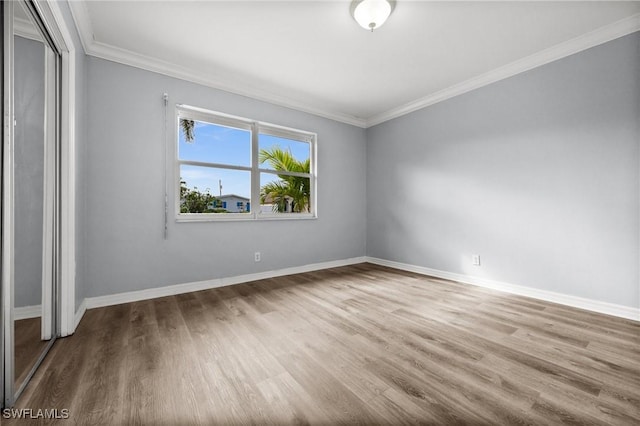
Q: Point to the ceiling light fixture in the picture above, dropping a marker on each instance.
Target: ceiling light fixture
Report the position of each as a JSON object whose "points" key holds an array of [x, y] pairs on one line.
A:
{"points": [[371, 14]]}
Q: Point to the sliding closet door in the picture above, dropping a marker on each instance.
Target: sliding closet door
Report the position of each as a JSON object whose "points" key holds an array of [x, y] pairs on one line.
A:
{"points": [[29, 197], [4, 303], [7, 212]]}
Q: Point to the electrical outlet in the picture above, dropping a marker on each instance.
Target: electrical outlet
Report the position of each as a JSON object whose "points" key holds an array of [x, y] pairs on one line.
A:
{"points": [[257, 257], [475, 259]]}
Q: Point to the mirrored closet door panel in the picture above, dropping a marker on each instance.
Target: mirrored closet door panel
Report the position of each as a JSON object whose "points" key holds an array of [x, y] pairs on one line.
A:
{"points": [[31, 199]]}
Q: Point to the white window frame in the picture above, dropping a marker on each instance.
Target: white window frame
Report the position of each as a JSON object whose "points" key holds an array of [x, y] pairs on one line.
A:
{"points": [[256, 128]]}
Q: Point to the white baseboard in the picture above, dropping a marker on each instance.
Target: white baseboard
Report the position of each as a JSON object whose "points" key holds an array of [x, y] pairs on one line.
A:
{"points": [[171, 290], [621, 311], [27, 312]]}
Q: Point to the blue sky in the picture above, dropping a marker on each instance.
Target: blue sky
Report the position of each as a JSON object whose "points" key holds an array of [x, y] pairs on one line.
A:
{"points": [[225, 145]]}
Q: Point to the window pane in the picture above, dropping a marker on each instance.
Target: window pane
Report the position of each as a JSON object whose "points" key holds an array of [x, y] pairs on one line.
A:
{"points": [[278, 153], [212, 143], [212, 190], [284, 194]]}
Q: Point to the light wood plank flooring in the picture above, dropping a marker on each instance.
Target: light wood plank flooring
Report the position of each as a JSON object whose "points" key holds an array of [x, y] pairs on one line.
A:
{"points": [[355, 345]]}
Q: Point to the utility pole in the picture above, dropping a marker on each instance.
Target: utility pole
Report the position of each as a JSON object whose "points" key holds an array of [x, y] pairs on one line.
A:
{"points": [[220, 185]]}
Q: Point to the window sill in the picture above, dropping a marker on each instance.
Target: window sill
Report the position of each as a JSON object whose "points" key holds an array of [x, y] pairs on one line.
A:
{"points": [[243, 218]]}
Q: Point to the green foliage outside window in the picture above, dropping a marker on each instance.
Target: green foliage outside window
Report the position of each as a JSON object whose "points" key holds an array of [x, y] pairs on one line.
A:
{"points": [[194, 201], [294, 190]]}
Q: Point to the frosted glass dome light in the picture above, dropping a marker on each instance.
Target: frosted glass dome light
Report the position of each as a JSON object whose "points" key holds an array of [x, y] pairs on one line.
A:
{"points": [[371, 14]]}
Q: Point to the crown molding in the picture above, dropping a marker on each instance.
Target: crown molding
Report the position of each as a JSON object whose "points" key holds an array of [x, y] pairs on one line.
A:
{"points": [[26, 29], [126, 57], [123, 56], [81, 18], [593, 38], [105, 51]]}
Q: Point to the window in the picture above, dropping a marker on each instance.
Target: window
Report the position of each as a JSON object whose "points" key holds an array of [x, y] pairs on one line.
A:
{"points": [[225, 164]]}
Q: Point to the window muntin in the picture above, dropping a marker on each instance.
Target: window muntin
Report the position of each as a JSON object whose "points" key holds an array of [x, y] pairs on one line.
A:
{"points": [[217, 182]]}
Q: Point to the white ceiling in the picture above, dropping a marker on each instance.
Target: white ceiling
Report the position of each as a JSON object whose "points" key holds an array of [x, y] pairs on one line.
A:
{"points": [[311, 55]]}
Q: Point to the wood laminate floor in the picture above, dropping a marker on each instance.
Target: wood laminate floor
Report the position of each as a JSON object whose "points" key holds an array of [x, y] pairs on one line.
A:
{"points": [[355, 345]]}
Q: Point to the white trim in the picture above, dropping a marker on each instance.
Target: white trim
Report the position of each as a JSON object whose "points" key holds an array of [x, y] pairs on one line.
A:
{"points": [[27, 312], [50, 145], [127, 57], [68, 197], [101, 50], [79, 313], [242, 217], [255, 128], [594, 38], [67, 172], [190, 112], [81, 18], [546, 295], [26, 29], [171, 290]]}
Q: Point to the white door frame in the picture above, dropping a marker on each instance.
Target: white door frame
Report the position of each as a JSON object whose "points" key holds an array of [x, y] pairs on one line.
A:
{"points": [[53, 19], [51, 120]]}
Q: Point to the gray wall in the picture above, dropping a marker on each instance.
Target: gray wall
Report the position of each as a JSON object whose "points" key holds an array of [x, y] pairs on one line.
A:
{"points": [[29, 170], [537, 173], [124, 174]]}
